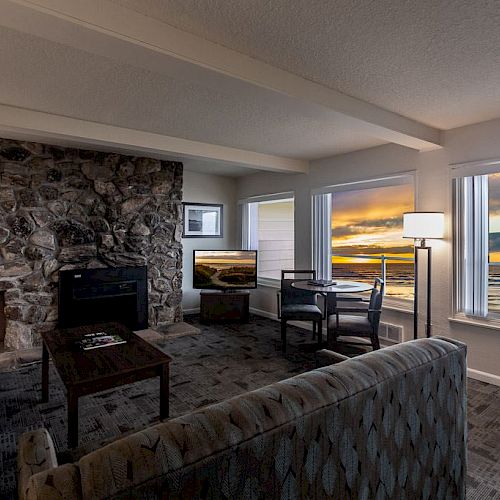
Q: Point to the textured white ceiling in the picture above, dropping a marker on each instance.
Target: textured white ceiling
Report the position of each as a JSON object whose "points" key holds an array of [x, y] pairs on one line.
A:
{"points": [[216, 168], [51, 77], [436, 61]]}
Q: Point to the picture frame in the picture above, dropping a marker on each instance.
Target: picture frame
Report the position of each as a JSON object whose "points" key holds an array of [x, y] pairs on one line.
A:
{"points": [[203, 220]]}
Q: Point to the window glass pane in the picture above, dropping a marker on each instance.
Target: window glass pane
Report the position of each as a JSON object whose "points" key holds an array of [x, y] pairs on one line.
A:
{"points": [[367, 230], [276, 237], [494, 243]]}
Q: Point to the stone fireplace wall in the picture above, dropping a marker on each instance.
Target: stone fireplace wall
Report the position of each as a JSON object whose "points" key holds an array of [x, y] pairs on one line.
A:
{"points": [[63, 208]]}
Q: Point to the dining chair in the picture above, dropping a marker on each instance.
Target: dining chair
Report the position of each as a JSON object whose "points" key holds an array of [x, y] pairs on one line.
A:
{"points": [[347, 321], [298, 305]]}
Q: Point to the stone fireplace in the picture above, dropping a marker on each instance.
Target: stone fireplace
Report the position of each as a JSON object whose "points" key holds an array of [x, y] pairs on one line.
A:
{"points": [[64, 208]]}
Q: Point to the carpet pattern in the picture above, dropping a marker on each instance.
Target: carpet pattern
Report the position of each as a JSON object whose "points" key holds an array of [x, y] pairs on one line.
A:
{"points": [[222, 362]]}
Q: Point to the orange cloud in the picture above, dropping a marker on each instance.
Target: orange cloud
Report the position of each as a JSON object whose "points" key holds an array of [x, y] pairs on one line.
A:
{"points": [[371, 221]]}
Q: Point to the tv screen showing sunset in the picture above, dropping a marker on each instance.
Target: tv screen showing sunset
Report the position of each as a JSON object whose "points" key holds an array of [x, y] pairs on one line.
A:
{"points": [[225, 269]]}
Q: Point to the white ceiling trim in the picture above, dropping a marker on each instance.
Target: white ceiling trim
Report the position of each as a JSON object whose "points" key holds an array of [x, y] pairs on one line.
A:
{"points": [[107, 29], [37, 126]]}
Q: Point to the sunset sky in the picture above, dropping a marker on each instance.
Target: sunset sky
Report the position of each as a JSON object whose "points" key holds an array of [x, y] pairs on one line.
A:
{"points": [[494, 207], [370, 221]]}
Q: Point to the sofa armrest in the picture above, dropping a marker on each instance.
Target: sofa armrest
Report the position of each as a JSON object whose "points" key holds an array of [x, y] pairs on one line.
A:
{"points": [[63, 483], [324, 357], [35, 453]]}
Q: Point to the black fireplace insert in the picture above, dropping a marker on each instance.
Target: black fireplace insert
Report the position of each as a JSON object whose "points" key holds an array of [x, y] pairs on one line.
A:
{"points": [[118, 294]]}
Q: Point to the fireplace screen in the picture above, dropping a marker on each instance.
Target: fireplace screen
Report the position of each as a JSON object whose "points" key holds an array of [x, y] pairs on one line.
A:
{"points": [[89, 296]]}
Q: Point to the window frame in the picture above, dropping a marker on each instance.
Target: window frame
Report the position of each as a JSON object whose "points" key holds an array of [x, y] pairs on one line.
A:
{"points": [[395, 179], [243, 203], [457, 171]]}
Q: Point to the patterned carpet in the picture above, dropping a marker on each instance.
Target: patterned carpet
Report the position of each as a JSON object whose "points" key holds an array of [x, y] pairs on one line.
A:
{"points": [[220, 363]]}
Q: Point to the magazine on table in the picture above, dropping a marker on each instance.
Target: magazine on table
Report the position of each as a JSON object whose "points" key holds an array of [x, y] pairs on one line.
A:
{"points": [[99, 339], [322, 282]]}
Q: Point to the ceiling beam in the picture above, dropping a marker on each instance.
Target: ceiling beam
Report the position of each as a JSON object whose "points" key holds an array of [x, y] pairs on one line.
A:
{"points": [[107, 29], [24, 124]]}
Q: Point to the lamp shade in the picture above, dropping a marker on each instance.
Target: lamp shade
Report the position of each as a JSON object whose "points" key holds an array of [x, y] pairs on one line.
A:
{"points": [[423, 225]]}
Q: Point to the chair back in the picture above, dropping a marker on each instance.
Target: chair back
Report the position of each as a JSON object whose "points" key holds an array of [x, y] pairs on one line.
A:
{"points": [[291, 295], [379, 283], [375, 306]]}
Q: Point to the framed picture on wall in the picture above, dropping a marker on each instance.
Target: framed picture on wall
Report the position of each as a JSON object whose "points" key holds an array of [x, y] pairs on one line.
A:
{"points": [[202, 220]]}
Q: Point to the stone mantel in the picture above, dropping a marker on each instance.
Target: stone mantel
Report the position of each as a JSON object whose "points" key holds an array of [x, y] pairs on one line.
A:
{"points": [[63, 208]]}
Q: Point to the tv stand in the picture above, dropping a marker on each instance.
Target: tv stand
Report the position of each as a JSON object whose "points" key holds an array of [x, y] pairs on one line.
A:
{"points": [[224, 305]]}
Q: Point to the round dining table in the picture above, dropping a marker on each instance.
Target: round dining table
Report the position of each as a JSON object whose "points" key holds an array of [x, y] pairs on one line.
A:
{"points": [[336, 287], [330, 292]]}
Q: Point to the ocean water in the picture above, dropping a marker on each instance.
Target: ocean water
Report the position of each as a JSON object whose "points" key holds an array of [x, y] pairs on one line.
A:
{"points": [[399, 279]]}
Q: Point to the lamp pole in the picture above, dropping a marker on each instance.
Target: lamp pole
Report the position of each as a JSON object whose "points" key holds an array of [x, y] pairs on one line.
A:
{"points": [[422, 246], [419, 226]]}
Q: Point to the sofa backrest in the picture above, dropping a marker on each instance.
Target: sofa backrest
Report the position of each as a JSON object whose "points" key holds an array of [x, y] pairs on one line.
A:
{"points": [[388, 424]]}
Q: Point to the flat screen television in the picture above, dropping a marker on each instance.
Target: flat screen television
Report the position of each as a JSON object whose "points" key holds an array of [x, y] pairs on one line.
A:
{"points": [[224, 269]]}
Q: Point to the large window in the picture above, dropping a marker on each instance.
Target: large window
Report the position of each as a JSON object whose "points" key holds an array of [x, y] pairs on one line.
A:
{"points": [[494, 243], [358, 228], [477, 245], [367, 229], [268, 227]]}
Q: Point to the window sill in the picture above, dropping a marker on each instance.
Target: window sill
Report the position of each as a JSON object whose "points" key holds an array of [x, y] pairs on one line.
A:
{"points": [[397, 306], [269, 282], [492, 324]]}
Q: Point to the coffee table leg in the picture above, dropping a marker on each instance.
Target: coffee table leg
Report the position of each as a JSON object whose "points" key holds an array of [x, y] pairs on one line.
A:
{"points": [[72, 419], [45, 373], [164, 391]]}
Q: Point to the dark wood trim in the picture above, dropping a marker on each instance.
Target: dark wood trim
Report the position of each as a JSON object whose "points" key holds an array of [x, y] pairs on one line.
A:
{"points": [[72, 418], [164, 391], [220, 306], [45, 373]]}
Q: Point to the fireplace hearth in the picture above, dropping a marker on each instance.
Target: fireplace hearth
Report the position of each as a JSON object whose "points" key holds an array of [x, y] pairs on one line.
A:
{"points": [[118, 294]]}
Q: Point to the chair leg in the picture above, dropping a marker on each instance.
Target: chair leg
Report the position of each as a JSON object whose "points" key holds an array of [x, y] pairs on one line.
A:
{"points": [[320, 332], [314, 330], [283, 335], [330, 336], [332, 342], [375, 341]]}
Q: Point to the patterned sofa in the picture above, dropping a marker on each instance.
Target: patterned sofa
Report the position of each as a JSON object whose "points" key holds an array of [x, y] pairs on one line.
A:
{"points": [[388, 424]]}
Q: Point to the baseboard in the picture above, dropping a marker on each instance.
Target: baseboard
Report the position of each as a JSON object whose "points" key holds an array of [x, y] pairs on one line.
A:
{"points": [[489, 378], [266, 314], [194, 310]]}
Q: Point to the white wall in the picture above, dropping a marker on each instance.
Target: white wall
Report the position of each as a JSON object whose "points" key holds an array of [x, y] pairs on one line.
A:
{"points": [[433, 192], [206, 188]]}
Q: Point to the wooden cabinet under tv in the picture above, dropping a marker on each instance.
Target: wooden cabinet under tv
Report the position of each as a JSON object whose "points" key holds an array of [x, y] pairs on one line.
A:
{"points": [[217, 305]]}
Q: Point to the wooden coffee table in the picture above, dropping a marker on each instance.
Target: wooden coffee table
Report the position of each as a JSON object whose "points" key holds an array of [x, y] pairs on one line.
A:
{"points": [[95, 370]]}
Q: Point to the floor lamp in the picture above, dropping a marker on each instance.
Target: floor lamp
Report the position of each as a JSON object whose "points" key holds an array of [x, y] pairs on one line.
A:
{"points": [[421, 226]]}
